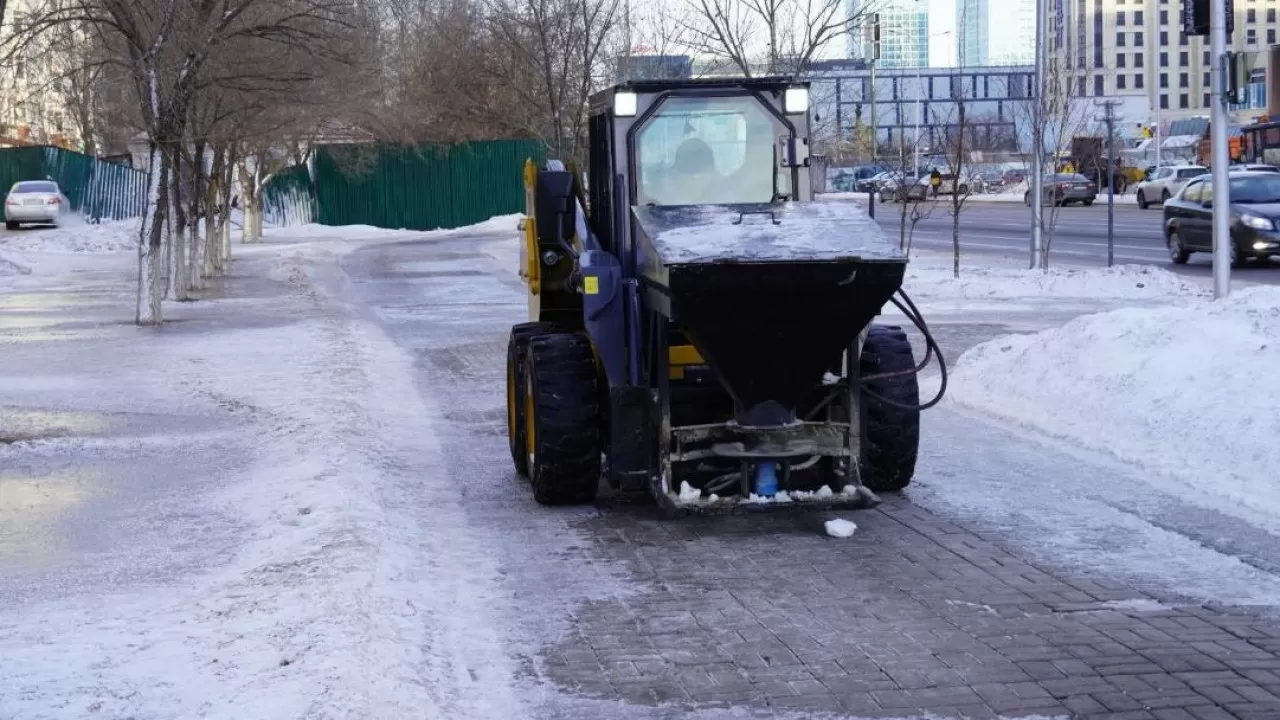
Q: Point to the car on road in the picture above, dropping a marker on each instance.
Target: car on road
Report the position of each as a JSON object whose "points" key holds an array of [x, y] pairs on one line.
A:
{"points": [[1165, 182], [33, 201], [1064, 189], [1258, 168], [1255, 217]]}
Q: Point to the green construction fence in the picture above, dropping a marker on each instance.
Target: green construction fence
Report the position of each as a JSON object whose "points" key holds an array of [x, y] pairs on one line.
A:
{"points": [[403, 187], [96, 189]]}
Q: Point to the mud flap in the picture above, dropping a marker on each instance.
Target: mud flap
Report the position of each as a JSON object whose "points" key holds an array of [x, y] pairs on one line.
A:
{"points": [[633, 438]]}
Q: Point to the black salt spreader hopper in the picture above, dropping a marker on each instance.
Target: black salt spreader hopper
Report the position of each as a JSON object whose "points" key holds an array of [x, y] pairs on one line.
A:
{"points": [[701, 328]]}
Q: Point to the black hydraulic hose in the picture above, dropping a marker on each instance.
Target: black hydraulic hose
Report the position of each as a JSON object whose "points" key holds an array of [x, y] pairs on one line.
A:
{"points": [[913, 314]]}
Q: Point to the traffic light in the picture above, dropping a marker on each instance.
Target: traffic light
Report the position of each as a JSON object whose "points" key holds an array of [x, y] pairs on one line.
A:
{"points": [[873, 37], [1239, 73], [1195, 17]]}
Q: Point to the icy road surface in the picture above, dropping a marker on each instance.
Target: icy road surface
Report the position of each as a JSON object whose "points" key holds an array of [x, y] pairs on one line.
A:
{"points": [[297, 502]]}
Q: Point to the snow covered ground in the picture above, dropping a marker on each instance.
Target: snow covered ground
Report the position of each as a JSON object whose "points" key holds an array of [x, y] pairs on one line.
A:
{"points": [[1186, 391], [247, 513]]}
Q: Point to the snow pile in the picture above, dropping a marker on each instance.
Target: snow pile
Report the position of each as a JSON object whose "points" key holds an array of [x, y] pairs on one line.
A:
{"points": [[9, 267], [840, 528], [500, 223], [1187, 392], [931, 276], [76, 236]]}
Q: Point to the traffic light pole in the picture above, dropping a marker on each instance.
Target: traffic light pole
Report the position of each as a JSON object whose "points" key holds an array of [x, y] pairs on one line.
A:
{"points": [[1221, 160], [1037, 139]]}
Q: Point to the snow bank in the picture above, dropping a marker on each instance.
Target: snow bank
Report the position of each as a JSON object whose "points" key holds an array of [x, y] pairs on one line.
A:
{"points": [[500, 223], [929, 275], [75, 236], [9, 267], [1186, 392]]}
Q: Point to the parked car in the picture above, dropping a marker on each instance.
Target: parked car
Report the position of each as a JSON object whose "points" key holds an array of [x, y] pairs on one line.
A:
{"points": [[1257, 168], [905, 188], [872, 184], [1165, 182], [33, 201], [1255, 217], [1064, 189], [990, 181]]}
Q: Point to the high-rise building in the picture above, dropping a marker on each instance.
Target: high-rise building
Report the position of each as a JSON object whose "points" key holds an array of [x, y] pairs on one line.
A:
{"points": [[904, 32], [997, 32], [1107, 48]]}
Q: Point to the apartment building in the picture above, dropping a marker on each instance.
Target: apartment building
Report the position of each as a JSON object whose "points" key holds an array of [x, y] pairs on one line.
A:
{"points": [[35, 92], [1115, 48]]}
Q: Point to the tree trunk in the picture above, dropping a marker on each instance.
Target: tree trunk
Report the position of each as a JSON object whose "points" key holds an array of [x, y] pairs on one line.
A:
{"points": [[195, 256], [956, 201], [178, 279], [151, 240], [224, 232], [252, 230], [209, 260]]}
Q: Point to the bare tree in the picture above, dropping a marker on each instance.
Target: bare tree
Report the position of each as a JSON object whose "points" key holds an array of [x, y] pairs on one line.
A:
{"points": [[956, 145], [1055, 118], [771, 37], [552, 62]]}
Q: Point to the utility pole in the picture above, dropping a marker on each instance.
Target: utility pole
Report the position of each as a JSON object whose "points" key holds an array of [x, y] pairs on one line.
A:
{"points": [[875, 55], [1109, 117], [1037, 138], [1218, 130]]}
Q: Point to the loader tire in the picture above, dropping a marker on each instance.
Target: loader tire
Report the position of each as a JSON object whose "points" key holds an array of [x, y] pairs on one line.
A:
{"points": [[517, 349], [562, 426], [890, 435]]}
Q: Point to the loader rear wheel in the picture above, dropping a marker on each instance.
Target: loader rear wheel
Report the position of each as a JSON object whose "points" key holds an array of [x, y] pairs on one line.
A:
{"points": [[562, 419], [890, 435], [517, 349]]}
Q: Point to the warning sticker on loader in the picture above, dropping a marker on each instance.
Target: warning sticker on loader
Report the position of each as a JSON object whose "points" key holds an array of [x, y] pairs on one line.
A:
{"points": [[591, 285]]}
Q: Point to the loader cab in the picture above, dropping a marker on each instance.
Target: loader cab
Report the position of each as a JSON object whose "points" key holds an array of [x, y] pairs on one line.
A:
{"points": [[730, 141]]}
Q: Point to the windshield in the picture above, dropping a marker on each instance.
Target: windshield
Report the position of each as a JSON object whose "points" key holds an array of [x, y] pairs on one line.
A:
{"points": [[1261, 189], [701, 151], [1191, 172], [35, 187]]}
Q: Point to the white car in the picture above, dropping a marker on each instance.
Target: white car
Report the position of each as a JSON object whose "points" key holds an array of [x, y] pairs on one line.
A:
{"points": [[33, 201], [1165, 182]]}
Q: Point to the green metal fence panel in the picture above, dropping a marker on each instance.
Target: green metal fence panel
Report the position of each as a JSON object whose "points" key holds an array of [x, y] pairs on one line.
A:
{"points": [[421, 188], [287, 198], [18, 164], [94, 188]]}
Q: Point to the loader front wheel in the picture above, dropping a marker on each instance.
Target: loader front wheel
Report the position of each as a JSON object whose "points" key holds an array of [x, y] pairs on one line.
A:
{"points": [[562, 419], [517, 350], [890, 434]]}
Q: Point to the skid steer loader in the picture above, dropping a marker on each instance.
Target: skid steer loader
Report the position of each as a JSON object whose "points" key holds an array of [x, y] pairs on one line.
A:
{"points": [[699, 326]]}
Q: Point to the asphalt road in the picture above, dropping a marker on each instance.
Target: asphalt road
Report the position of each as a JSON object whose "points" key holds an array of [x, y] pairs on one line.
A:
{"points": [[1079, 235]]}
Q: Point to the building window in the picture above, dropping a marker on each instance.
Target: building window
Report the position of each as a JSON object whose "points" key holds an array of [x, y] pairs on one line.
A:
{"points": [[1137, 17], [1164, 102], [1080, 86], [1251, 15], [1182, 39], [1097, 86], [1207, 80], [1206, 100], [1206, 57], [1164, 80], [1164, 59], [1184, 80], [1184, 58], [1138, 39], [1119, 39], [1271, 15], [1120, 82], [1137, 59], [1119, 17], [1271, 36], [1139, 81], [1184, 101], [1164, 17], [1251, 36], [1164, 38], [1119, 60]]}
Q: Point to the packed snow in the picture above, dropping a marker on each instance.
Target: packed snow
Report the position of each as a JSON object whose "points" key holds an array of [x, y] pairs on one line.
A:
{"points": [[1187, 392], [930, 275], [74, 235], [840, 528], [9, 267]]}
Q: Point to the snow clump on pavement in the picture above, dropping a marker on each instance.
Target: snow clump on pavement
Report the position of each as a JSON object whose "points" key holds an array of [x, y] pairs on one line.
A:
{"points": [[931, 276], [1186, 392], [9, 267], [75, 236], [840, 528]]}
